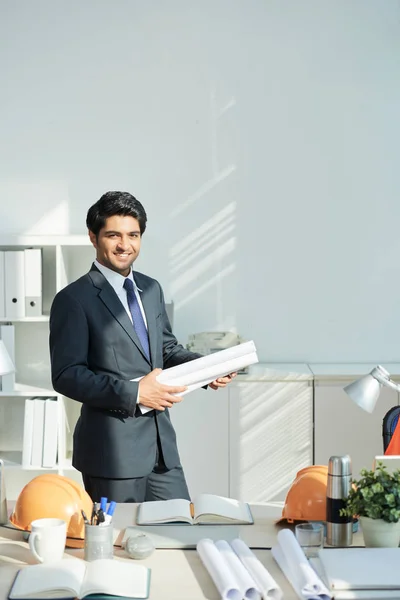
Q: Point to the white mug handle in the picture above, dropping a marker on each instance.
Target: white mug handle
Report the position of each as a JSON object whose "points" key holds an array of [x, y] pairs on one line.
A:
{"points": [[32, 538]]}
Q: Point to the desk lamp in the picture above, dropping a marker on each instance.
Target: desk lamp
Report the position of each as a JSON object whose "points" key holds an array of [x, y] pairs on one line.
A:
{"points": [[6, 364], [365, 391]]}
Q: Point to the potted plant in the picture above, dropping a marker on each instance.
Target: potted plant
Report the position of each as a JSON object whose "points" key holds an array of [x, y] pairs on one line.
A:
{"points": [[375, 499]]}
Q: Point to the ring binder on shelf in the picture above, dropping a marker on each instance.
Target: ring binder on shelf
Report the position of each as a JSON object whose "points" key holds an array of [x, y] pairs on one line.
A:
{"points": [[15, 283], [33, 281]]}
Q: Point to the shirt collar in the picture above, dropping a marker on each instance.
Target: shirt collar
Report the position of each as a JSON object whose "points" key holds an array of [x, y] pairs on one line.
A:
{"points": [[115, 279]]}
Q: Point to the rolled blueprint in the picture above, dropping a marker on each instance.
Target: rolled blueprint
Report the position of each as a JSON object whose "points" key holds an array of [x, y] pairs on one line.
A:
{"points": [[296, 568], [201, 371], [246, 583], [265, 583], [219, 571]]}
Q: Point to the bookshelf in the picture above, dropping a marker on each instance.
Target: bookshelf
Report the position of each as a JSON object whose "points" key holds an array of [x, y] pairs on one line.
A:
{"points": [[64, 259]]}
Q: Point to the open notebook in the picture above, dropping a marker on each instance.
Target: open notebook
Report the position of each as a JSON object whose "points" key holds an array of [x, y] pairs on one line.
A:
{"points": [[206, 509], [73, 578]]}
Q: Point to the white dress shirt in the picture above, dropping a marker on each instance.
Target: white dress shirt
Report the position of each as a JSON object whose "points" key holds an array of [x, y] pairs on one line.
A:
{"points": [[117, 283]]}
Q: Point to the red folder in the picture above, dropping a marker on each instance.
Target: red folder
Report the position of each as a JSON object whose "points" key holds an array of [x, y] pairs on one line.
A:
{"points": [[394, 444]]}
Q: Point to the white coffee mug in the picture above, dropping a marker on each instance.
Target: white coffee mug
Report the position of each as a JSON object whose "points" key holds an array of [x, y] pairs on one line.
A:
{"points": [[47, 539]]}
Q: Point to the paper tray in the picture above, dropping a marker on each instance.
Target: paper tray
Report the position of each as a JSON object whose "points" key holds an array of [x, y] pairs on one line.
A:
{"points": [[182, 536]]}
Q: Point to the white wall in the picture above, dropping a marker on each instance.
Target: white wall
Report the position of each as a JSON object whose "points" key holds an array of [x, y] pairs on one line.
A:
{"points": [[261, 136]]}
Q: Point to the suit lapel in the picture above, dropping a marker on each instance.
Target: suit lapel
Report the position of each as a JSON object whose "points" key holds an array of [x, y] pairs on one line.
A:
{"points": [[108, 296]]}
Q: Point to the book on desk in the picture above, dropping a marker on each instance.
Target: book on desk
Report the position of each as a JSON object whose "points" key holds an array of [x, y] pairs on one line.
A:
{"points": [[74, 578], [360, 573], [206, 509]]}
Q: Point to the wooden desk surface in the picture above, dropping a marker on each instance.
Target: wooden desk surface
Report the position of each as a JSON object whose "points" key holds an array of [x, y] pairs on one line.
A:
{"points": [[176, 574]]}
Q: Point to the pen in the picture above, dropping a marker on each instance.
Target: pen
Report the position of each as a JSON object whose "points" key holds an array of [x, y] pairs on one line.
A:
{"points": [[110, 512], [100, 517], [86, 520], [93, 517], [103, 504]]}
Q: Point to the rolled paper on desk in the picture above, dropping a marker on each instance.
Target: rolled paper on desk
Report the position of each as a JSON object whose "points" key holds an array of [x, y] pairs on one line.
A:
{"points": [[224, 579], [296, 568], [265, 583], [247, 585]]}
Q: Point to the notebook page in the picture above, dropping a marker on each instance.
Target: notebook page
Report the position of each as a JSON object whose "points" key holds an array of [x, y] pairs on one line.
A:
{"points": [[117, 578], [209, 504], [160, 511], [52, 581]]}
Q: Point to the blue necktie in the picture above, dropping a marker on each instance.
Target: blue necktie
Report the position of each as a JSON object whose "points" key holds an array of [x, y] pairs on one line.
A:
{"points": [[137, 317]]}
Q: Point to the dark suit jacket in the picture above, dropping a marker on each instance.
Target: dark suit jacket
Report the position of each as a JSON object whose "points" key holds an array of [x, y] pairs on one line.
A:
{"points": [[94, 353]]}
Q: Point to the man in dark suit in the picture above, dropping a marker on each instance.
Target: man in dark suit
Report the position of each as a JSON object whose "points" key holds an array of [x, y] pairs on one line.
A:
{"points": [[106, 329]]}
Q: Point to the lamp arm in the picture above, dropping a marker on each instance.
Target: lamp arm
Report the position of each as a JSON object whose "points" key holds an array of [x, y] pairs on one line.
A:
{"points": [[381, 375], [391, 384]]}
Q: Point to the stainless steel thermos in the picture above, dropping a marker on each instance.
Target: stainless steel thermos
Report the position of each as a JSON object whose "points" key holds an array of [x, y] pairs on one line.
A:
{"points": [[339, 529]]}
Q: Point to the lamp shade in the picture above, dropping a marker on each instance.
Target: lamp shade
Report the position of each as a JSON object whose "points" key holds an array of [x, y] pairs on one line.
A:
{"points": [[365, 391], [6, 364]]}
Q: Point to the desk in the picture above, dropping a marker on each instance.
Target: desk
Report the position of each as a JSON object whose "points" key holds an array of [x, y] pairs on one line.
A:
{"points": [[176, 574]]}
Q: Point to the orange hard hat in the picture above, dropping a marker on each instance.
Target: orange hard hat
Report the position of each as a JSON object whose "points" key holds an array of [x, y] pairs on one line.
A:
{"points": [[306, 498], [53, 496]]}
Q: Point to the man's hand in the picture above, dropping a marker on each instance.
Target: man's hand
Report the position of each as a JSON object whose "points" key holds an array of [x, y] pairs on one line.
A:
{"points": [[157, 395], [221, 382]]}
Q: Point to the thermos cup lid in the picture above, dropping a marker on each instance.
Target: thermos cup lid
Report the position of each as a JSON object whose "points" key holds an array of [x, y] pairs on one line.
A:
{"points": [[339, 465]]}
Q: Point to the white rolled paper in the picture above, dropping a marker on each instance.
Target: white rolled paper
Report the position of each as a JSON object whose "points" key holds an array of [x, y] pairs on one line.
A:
{"points": [[199, 372], [296, 568], [219, 571], [246, 583], [264, 581]]}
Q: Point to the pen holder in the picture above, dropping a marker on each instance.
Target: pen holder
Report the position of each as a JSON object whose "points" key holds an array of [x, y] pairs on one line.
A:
{"points": [[98, 542]]}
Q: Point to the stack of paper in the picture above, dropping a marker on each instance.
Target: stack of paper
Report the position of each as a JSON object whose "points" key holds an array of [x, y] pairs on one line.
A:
{"points": [[236, 571], [360, 573], [296, 568]]}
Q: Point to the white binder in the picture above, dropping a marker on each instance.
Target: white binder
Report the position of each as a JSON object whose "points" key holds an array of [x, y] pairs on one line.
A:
{"points": [[15, 283], [28, 433], [2, 286], [50, 437], [7, 334], [38, 430], [33, 282]]}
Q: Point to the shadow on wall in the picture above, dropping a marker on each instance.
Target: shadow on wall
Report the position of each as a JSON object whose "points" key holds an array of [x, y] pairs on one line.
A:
{"points": [[273, 441]]}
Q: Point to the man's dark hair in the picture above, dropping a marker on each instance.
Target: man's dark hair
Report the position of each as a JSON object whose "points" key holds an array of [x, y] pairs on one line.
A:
{"points": [[115, 203]]}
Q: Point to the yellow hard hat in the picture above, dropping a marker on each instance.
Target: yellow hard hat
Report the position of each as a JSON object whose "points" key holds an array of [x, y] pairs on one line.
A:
{"points": [[306, 498], [53, 496]]}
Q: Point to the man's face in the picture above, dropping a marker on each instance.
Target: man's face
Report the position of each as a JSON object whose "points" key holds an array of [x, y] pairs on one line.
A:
{"points": [[118, 243]]}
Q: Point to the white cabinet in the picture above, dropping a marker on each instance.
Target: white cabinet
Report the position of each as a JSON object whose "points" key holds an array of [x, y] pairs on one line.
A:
{"points": [[202, 428], [341, 427], [64, 258], [248, 440], [270, 431]]}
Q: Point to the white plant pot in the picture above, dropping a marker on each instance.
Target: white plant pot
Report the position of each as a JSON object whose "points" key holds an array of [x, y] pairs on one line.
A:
{"points": [[380, 534]]}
